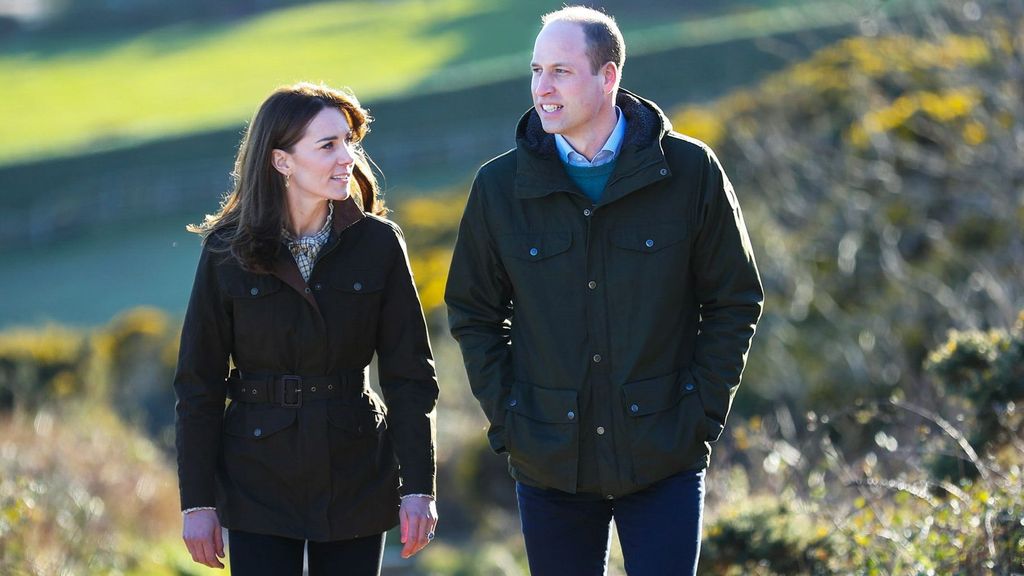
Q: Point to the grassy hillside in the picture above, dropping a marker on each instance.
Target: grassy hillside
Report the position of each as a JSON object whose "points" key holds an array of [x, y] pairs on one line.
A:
{"points": [[881, 181], [65, 95], [190, 77], [66, 210], [90, 279]]}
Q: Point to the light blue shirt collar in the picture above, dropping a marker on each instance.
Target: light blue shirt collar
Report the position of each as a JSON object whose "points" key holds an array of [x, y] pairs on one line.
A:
{"points": [[608, 152]]}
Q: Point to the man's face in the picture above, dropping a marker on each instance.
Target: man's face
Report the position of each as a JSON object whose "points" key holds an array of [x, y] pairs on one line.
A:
{"points": [[566, 94]]}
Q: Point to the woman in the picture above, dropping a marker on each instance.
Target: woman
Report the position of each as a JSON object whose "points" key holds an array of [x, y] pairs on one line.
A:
{"points": [[301, 280]]}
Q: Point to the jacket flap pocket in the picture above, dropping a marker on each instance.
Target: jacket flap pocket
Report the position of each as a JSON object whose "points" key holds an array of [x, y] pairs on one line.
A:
{"points": [[359, 281], [650, 238], [258, 424], [354, 418], [534, 247], [248, 285], [543, 404], [644, 397]]}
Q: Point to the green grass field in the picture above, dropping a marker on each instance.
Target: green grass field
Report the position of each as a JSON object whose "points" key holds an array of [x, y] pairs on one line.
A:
{"points": [[88, 280], [188, 78], [69, 95]]}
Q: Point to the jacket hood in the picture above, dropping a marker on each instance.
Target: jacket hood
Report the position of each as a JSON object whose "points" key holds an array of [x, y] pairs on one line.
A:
{"points": [[645, 125]]}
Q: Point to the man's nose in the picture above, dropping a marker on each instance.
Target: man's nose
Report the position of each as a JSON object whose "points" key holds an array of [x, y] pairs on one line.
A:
{"points": [[542, 84]]}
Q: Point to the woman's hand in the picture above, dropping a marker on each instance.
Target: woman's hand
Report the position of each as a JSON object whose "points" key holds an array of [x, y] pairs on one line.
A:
{"points": [[419, 518], [203, 537]]}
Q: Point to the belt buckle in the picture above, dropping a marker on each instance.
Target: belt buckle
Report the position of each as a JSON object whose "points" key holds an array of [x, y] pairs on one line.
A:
{"points": [[291, 384]]}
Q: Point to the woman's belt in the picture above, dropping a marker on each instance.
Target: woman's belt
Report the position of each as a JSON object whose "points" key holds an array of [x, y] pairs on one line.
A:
{"points": [[290, 389]]}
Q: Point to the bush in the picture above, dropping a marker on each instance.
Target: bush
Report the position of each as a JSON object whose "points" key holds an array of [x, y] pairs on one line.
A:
{"points": [[764, 536], [81, 493], [880, 180]]}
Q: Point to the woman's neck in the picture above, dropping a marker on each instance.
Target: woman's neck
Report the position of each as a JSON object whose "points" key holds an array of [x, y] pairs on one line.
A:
{"points": [[306, 218]]}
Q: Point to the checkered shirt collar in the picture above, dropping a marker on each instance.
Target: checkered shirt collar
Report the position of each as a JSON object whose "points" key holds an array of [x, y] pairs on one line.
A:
{"points": [[307, 248]]}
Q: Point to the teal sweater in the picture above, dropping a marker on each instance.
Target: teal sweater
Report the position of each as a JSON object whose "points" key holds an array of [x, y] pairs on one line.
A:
{"points": [[591, 180]]}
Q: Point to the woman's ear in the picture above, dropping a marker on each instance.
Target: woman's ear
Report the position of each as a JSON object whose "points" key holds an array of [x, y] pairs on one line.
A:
{"points": [[282, 161]]}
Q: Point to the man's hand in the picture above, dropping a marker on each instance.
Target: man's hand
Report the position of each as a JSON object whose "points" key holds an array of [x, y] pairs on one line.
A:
{"points": [[419, 518], [203, 537]]}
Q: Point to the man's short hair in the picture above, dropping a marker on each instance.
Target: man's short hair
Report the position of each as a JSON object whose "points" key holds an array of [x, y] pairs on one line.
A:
{"points": [[604, 40]]}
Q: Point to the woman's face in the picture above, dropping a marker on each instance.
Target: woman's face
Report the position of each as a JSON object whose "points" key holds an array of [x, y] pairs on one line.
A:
{"points": [[320, 164]]}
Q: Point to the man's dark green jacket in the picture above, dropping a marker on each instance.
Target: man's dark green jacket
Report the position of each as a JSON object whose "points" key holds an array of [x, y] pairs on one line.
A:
{"points": [[604, 341]]}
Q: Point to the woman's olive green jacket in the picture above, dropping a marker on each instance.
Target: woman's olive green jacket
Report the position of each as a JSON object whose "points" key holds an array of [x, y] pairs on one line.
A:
{"points": [[305, 449]]}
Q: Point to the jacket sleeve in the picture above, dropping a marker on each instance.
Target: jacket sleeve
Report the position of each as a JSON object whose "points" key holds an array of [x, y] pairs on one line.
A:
{"points": [[199, 385], [406, 373], [728, 290], [479, 300]]}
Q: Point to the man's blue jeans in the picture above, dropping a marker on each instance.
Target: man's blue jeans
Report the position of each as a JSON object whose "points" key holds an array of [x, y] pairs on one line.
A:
{"points": [[659, 528]]}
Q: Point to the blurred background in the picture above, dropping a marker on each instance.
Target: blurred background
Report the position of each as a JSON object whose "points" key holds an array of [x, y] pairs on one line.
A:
{"points": [[877, 148]]}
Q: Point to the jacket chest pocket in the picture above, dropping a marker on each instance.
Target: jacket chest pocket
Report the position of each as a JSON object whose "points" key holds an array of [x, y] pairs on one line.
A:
{"points": [[651, 239], [652, 252], [255, 308], [353, 301], [538, 261]]}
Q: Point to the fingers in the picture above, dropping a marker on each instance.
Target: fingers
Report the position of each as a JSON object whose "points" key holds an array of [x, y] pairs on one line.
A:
{"points": [[403, 517], [218, 541], [210, 553], [425, 534], [203, 552], [415, 535]]}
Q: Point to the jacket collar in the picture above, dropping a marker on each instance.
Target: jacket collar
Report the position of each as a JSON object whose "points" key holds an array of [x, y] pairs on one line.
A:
{"points": [[346, 213], [641, 161]]}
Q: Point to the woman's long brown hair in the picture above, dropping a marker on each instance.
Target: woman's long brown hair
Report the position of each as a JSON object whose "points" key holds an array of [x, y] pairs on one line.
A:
{"points": [[253, 213]]}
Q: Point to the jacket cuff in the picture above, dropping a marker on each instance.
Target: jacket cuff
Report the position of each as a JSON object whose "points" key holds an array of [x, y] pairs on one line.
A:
{"points": [[196, 494], [423, 487], [497, 438]]}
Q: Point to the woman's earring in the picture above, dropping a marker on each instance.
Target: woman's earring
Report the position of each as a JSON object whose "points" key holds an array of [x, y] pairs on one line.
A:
{"points": [[287, 180]]}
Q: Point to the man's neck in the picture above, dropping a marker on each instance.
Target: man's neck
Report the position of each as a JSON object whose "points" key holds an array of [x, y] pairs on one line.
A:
{"points": [[592, 137]]}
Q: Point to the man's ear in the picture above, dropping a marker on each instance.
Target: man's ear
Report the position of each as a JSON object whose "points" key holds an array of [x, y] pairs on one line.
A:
{"points": [[281, 161], [610, 75]]}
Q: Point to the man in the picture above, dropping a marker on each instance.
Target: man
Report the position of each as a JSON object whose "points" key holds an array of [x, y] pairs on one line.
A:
{"points": [[604, 294]]}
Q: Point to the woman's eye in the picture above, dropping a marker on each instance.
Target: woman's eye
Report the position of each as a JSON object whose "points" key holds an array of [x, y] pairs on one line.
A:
{"points": [[328, 146]]}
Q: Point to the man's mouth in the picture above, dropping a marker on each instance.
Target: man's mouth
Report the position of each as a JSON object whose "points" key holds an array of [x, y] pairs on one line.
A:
{"points": [[550, 107]]}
